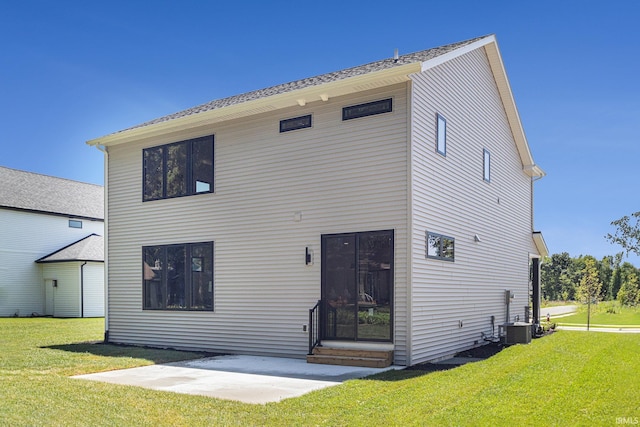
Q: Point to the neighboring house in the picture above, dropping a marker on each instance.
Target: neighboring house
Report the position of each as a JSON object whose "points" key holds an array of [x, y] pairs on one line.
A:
{"points": [[51, 246], [399, 193]]}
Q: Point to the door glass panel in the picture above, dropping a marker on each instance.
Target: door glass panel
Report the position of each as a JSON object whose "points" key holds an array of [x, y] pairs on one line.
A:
{"points": [[374, 285], [339, 286]]}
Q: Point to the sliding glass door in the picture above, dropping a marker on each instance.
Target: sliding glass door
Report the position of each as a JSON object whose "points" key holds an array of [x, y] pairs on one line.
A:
{"points": [[357, 285]]}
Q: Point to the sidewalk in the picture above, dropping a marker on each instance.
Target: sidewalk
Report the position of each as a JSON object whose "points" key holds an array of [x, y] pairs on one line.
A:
{"points": [[617, 329]]}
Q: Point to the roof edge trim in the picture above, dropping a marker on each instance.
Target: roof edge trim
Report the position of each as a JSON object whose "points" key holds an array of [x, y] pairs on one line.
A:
{"points": [[541, 245]]}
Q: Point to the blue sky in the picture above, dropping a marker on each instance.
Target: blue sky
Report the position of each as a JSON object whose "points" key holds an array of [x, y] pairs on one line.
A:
{"points": [[76, 70]]}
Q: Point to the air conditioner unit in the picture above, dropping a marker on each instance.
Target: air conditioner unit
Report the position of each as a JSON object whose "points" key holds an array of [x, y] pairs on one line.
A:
{"points": [[517, 333]]}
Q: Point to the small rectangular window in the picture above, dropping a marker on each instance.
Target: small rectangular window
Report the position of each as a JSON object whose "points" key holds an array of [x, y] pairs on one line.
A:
{"points": [[295, 123], [368, 109], [486, 165], [74, 223], [440, 247], [441, 135]]}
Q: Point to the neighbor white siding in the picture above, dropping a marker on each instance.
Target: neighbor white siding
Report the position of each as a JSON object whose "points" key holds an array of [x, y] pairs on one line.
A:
{"points": [[450, 197], [93, 293], [66, 296], [341, 176], [24, 238]]}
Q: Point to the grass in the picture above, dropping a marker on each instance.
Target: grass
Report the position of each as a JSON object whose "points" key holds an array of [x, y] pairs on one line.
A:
{"points": [[546, 303], [567, 378], [608, 313]]}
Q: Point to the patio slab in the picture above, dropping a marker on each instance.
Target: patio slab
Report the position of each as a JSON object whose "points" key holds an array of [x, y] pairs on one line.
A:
{"points": [[249, 379]]}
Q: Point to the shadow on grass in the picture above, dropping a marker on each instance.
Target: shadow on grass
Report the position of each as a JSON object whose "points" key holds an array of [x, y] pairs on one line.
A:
{"points": [[475, 354], [155, 355]]}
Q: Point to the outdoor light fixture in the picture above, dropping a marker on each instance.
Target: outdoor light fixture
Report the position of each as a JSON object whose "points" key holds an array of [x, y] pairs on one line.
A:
{"points": [[476, 238], [308, 256]]}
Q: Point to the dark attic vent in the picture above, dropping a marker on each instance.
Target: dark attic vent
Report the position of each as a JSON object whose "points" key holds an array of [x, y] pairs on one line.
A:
{"points": [[368, 109], [295, 123]]}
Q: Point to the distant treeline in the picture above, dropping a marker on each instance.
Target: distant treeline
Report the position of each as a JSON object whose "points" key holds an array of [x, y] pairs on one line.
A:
{"points": [[562, 278]]}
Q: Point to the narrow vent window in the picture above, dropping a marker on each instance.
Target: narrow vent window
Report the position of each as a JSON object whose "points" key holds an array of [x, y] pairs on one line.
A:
{"points": [[368, 109], [487, 165], [441, 135], [295, 123], [74, 223]]}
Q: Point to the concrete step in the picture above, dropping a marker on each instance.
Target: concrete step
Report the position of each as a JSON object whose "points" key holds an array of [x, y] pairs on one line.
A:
{"points": [[351, 357]]}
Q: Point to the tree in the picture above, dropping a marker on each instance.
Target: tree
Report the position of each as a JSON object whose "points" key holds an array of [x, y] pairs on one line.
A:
{"points": [[629, 293], [605, 270], [616, 282], [627, 233], [553, 275], [590, 285]]}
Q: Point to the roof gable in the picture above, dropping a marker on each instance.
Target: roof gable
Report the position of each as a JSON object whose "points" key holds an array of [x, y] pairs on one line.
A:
{"points": [[42, 193]]}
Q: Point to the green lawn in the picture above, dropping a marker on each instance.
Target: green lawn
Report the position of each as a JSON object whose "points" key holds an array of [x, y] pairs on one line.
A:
{"points": [[567, 378], [607, 314]]}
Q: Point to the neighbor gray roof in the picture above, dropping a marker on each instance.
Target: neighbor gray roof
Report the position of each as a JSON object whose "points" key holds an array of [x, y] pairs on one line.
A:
{"points": [[91, 248], [41, 193], [384, 64]]}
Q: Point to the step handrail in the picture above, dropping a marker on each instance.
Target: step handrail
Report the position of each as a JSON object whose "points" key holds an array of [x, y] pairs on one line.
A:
{"points": [[314, 326]]}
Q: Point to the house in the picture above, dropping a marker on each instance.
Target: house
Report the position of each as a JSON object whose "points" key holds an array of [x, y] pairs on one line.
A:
{"points": [[51, 246], [397, 194]]}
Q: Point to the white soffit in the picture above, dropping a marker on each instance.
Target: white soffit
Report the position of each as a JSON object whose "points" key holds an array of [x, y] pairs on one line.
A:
{"points": [[541, 245]]}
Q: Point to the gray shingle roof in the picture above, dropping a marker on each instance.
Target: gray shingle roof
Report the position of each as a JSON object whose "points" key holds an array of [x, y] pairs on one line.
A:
{"points": [[91, 248], [411, 58], [43, 193]]}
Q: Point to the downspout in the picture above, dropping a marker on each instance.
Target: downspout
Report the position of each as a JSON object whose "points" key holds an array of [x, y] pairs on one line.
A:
{"points": [[106, 241], [537, 262], [82, 289]]}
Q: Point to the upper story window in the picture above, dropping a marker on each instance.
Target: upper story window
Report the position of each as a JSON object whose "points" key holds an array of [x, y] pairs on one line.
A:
{"points": [[441, 135], [75, 223], [440, 247], [179, 169], [486, 165]]}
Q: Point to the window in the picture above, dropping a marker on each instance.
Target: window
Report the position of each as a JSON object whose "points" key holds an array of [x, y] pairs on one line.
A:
{"points": [[74, 223], [440, 247], [295, 123], [180, 169], [178, 277], [441, 135], [486, 165], [368, 109]]}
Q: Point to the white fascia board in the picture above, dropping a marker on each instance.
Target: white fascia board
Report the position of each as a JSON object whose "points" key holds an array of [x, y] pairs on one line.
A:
{"points": [[490, 45], [320, 92], [541, 245], [511, 110], [457, 52]]}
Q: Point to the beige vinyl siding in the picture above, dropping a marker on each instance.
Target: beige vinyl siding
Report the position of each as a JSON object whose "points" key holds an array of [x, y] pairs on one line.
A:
{"points": [[450, 197], [24, 238], [340, 176]]}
